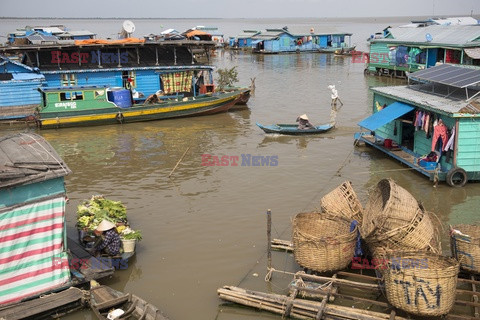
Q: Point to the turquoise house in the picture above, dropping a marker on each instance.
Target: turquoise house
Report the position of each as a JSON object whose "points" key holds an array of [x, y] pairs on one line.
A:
{"points": [[408, 49], [431, 125]]}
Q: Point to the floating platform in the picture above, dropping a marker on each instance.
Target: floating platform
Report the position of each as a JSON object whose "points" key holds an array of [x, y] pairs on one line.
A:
{"points": [[58, 303]]}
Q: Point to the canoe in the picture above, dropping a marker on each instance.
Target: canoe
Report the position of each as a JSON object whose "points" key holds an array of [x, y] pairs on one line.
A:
{"points": [[108, 303], [292, 129], [93, 105]]}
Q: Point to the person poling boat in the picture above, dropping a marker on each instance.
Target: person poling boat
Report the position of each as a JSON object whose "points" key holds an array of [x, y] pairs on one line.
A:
{"points": [[304, 123], [335, 96]]}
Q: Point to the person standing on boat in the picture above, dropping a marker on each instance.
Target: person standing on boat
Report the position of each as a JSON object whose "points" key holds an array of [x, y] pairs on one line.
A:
{"points": [[335, 97], [110, 240], [303, 122]]}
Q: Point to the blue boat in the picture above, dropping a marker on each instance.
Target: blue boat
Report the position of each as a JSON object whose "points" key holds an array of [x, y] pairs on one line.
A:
{"points": [[292, 129]]}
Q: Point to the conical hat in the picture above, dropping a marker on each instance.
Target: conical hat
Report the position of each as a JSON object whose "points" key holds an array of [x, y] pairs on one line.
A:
{"points": [[105, 225], [304, 117]]}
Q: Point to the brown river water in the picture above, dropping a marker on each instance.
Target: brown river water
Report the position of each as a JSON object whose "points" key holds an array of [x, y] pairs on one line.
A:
{"points": [[205, 227]]}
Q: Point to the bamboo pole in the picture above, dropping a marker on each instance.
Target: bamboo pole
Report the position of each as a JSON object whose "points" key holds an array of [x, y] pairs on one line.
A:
{"points": [[269, 239], [180, 160]]}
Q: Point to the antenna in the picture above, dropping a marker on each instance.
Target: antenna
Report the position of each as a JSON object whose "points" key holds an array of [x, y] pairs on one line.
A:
{"points": [[128, 27]]}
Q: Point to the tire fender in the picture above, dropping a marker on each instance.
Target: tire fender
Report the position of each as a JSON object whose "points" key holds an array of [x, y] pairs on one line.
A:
{"points": [[456, 177]]}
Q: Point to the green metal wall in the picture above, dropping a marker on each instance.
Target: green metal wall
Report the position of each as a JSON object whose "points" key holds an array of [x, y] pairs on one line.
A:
{"points": [[379, 55], [468, 145], [31, 192]]}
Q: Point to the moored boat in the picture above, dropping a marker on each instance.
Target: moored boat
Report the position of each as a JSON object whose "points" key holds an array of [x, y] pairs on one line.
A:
{"points": [[292, 129], [108, 303], [97, 105]]}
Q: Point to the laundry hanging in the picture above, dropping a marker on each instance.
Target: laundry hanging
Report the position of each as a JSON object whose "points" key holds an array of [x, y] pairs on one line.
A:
{"points": [[439, 132]]}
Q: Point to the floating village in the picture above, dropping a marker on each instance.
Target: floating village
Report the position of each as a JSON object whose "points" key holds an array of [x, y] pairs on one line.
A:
{"points": [[381, 257]]}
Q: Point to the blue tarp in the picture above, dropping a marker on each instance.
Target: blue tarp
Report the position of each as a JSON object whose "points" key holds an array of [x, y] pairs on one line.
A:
{"points": [[384, 116]]}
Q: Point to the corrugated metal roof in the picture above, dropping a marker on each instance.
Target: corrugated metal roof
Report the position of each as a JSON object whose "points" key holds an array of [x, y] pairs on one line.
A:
{"points": [[248, 33], [27, 158], [473, 53], [40, 38], [412, 94], [445, 35]]}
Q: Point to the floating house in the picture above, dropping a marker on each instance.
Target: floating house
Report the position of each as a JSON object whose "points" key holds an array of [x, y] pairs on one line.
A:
{"points": [[243, 40], [405, 50], [284, 40], [19, 96], [217, 36], [142, 66], [32, 218], [452, 21], [431, 125], [47, 35]]}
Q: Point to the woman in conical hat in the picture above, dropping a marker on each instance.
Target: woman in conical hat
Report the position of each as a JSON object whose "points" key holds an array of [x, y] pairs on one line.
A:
{"points": [[111, 242], [303, 122]]}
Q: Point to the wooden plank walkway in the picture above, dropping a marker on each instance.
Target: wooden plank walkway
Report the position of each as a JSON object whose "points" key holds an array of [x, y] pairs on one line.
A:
{"points": [[43, 307]]}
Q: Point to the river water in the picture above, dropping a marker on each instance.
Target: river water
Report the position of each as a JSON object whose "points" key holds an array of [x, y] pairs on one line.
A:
{"points": [[205, 227]]}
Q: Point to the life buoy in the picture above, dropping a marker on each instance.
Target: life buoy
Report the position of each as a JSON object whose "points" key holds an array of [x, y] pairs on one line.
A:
{"points": [[119, 117], [456, 177]]}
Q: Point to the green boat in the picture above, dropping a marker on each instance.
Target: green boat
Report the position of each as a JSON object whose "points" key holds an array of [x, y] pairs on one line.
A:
{"points": [[99, 105]]}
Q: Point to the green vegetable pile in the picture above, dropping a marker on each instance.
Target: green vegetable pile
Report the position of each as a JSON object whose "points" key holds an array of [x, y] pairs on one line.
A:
{"points": [[91, 212]]}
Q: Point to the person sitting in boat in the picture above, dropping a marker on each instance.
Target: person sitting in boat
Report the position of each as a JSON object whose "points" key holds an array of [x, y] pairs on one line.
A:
{"points": [[110, 239], [304, 123]]}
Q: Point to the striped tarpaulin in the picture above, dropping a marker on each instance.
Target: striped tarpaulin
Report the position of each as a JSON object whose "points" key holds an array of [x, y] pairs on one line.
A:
{"points": [[31, 245]]}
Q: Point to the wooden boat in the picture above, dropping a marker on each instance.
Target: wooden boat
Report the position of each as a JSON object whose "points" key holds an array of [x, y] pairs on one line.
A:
{"points": [[97, 105], [335, 49], [105, 300], [292, 129], [348, 53]]}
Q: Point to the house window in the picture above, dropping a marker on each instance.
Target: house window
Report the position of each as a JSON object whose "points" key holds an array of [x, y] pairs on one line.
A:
{"points": [[68, 79], [68, 96]]}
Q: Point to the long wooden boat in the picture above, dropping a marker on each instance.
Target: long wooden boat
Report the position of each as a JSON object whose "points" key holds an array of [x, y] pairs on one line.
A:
{"points": [[334, 49], [292, 129], [105, 300], [98, 105]]}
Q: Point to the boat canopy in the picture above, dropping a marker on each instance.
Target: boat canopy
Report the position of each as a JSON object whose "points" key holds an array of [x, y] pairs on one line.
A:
{"points": [[384, 116]]}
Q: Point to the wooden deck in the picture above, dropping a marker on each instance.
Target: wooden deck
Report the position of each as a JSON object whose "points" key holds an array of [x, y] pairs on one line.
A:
{"points": [[43, 307], [401, 155], [83, 268]]}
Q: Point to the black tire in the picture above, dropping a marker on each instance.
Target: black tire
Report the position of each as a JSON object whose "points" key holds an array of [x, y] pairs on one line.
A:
{"points": [[456, 177]]}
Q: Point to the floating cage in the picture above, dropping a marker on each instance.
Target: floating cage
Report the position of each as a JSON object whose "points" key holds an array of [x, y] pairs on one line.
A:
{"points": [[465, 245], [343, 201], [323, 242], [423, 284]]}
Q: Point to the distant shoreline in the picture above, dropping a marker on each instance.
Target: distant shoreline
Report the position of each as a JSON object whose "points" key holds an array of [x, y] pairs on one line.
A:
{"points": [[240, 18]]}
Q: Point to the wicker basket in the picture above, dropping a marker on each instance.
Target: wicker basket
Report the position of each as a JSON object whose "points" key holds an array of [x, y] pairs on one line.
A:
{"points": [[322, 242], [343, 201], [465, 245], [389, 207], [421, 283]]}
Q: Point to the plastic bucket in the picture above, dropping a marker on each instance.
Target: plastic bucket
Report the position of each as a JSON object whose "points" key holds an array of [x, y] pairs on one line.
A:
{"points": [[129, 245]]}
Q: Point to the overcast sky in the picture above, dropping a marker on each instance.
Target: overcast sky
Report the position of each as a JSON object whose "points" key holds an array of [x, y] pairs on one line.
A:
{"points": [[235, 8]]}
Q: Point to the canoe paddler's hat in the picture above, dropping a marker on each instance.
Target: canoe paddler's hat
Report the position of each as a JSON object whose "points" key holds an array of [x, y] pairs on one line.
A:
{"points": [[105, 225], [303, 117]]}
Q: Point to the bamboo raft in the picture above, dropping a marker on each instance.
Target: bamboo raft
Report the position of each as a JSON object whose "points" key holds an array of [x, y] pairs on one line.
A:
{"points": [[332, 296]]}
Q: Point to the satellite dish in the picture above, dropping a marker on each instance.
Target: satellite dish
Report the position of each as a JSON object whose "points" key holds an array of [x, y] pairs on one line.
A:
{"points": [[429, 37], [128, 26]]}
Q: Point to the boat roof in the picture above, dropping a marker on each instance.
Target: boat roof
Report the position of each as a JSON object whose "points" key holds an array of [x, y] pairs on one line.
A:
{"points": [[27, 158], [71, 88], [457, 35], [453, 104]]}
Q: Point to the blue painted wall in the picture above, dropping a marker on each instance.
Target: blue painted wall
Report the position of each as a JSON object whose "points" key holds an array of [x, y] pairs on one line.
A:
{"points": [[31, 192], [19, 93]]}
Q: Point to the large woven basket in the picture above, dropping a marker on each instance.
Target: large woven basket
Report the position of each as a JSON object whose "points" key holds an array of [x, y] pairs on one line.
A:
{"points": [[322, 242], [389, 207], [420, 283], [465, 245], [343, 201]]}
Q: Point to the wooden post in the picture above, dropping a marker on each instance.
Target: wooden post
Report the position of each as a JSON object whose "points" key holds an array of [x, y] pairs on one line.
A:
{"points": [[269, 238], [180, 160]]}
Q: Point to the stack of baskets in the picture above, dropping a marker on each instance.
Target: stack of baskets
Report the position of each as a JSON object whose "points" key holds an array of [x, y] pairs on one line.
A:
{"points": [[323, 242], [394, 220], [421, 283], [465, 245]]}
